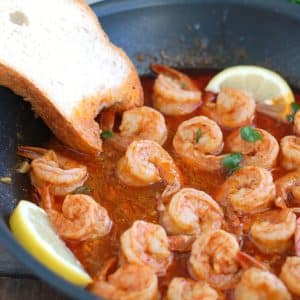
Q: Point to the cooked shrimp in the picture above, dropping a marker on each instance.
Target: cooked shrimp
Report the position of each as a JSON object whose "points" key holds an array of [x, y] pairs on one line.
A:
{"points": [[81, 218], [289, 183], [191, 212], [140, 123], [213, 259], [181, 242], [174, 93], [145, 163], [290, 274], [249, 190], [234, 108], [273, 233], [62, 175], [198, 141], [129, 282], [261, 153], [259, 284], [187, 289], [146, 244], [290, 149]]}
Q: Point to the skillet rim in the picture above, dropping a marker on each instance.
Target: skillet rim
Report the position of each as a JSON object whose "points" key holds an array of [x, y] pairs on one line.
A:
{"points": [[106, 9]]}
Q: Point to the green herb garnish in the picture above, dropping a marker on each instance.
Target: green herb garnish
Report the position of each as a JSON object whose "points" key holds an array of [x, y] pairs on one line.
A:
{"points": [[183, 85], [85, 189], [249, 134], [295, 1], [231, 162], [294, 107], [106, 134], [198, 135]]}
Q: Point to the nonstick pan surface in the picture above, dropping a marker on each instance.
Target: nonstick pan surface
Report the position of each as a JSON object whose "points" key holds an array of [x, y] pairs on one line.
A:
{"points": [[181, 33]]}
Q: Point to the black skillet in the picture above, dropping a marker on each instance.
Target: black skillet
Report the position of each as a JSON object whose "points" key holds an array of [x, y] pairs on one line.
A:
{"points": [[181, 33]]}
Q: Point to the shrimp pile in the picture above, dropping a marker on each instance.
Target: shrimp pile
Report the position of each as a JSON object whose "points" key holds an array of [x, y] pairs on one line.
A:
{"points": [[195, 196]]}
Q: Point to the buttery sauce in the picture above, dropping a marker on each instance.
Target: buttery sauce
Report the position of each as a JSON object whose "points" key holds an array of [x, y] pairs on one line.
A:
{"points": [[126, 204]]}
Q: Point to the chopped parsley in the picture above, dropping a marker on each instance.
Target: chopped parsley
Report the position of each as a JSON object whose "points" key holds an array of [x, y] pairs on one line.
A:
{"points": [[85, 189], [249, 134], [198, 135], [231, 162], [183, 85], [294, 107], [106, 134]]}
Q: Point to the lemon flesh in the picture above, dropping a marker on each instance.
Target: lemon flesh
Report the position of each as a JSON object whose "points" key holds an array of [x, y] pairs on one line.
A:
{"points": [[31, 227], [270, 91]]}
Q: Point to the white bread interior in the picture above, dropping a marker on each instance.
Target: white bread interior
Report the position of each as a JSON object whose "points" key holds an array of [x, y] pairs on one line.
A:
{"points": [[55, 54]]}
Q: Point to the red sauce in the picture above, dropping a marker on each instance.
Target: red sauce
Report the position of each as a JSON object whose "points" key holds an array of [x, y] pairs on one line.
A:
{"points": [[126, 204]]}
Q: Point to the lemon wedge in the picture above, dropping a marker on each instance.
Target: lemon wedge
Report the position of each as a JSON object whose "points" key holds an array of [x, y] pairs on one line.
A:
{"points": [[270, 91], [31, 227]]}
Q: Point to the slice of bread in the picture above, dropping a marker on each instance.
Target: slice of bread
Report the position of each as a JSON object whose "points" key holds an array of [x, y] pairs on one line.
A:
{"points": [[55, 54]]}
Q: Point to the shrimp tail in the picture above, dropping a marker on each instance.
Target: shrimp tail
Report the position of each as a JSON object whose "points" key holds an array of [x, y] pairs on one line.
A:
{"points": [[246, 261], [31, 152]]}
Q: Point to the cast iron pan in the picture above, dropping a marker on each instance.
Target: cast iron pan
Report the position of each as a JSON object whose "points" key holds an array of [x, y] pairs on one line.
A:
{"points": [[181, 33]]}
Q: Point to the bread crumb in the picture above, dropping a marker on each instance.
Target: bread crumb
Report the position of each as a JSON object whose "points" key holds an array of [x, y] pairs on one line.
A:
{"points": [[6, 180]]}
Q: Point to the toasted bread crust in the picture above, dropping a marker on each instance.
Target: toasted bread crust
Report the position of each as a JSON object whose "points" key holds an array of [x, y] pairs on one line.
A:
{"points": [[81, 132]]}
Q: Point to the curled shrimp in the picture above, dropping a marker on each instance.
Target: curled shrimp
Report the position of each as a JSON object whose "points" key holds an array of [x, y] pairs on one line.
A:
{"points": [[233, 108], [274, 231], [198, 141], [249, 190], [289, 183], [62, 175], [191, 212], [297, 237], [81, 218], [261, 153], [290, 274], [260, 284], [140, 123], [146, 244], [145, 163], [290, 149], [213, 259], [186, 289], [129, 282], [173, 92]]}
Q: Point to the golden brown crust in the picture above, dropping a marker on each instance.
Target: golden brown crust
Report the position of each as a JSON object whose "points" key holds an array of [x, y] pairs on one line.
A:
{"points": [[80, 131]]}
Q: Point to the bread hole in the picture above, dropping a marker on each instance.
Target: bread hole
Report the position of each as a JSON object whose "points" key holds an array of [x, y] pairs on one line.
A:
{"points": [[19, 18]]}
